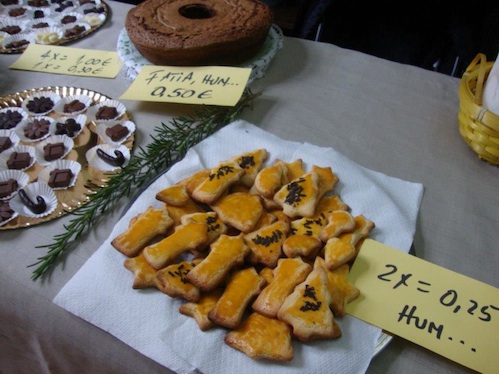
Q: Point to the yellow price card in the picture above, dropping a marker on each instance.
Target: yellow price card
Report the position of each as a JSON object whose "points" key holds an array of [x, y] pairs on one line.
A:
{"points": [[446, 312], [69, 61], [210, 85]]}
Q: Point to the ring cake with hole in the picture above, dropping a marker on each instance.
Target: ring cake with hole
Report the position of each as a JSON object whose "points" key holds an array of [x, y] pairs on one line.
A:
{"points": [[198, 32]]}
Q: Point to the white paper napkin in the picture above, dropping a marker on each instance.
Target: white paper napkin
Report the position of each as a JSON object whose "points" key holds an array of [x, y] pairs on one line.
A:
{"points": [[149, 321]]}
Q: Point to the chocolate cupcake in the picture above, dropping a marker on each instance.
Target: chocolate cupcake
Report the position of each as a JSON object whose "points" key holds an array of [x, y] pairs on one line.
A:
{"points": [[7, 214], [61, 174], [11, 181], [36, 200], [11, 117], [115, 133], [19, 157], [36, 128], [53, 148], [40, 103]]}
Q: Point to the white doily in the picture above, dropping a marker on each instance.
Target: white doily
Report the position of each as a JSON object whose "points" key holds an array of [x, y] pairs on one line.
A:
{"points": [[133, 61]]}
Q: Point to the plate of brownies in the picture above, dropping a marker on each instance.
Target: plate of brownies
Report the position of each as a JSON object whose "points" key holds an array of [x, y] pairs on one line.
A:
{"points": [[57, 144]]}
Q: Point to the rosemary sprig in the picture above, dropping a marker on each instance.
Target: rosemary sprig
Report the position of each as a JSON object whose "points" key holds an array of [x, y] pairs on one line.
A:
{"points": [[169, 144]]}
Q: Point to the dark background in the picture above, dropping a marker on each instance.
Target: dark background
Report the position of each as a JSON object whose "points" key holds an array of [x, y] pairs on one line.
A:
{"points": [[442, 36]]}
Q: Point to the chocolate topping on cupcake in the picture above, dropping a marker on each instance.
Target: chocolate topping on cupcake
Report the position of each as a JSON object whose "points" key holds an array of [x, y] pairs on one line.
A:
{"points": [[70, 127], [6, 212], [117, 160], [73, 106], [36, 128], [5, 143], [53, 151], [37, 207], [60, 178], [11, 29], [19, 160], [106, 113], [40, 104], [9, 119], [117, 132], [8, 187]]}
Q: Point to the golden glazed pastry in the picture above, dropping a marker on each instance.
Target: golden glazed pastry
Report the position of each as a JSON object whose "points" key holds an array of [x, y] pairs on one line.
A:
{"points": [[198, 32]]}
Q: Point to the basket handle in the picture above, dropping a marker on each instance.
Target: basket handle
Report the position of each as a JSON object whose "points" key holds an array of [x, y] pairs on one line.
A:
{"points": [[480, 60]]}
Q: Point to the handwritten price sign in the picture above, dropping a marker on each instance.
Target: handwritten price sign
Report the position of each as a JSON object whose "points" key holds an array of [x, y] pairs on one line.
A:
{"points": [[448, 313], [210, 85], [69, 61]]}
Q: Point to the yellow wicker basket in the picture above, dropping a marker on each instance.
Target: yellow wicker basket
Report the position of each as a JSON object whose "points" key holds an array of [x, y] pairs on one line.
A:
{"points": [[478, 126]]}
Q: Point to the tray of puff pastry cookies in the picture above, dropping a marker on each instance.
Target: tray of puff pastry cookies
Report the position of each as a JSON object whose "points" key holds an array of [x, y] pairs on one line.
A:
{"points": [[257, 249]]}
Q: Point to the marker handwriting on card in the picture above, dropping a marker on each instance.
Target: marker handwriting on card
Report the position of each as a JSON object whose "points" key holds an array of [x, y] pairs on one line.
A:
{"points": [[439, 309], [69, 61], [211, 85]]}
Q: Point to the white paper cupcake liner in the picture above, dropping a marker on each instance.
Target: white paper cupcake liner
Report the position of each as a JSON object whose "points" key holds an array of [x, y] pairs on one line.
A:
{"points": [[20, 129], [48, 94], [31, 24], [14, 214], [77, 17], [80, 119], [13, 138], [53, 139], [66, 28], [19, 110], [33, 190], [98, 163], [13, 22], [84, 99], [103, 126], [23, 16], [93, 110], [16, 38], [48, 35], [47, 10], [4, 156], [74, 166], [94, 19], [21, 177]]}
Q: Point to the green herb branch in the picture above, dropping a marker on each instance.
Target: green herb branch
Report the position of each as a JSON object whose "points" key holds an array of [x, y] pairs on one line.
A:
{"points": [[169, 144]]}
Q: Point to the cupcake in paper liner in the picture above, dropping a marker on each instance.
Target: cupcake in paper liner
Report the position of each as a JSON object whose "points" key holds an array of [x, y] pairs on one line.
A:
{"points": [[7, 214], [36, 200], [38, 4], [61, 174], [68, 18], [20, 157], [34, 129], [14, 42], [36, 14], [106, 111], [68, 126], [73, 105], [94, 19], [12, 181], [8, 139], [54, 148], [93, 8], [105, 157], [11, 117], [66, 6], [12, 27], [74, 30], [40, 23], [48, 35], [115, 132], [40, 103], [17, 12]]}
